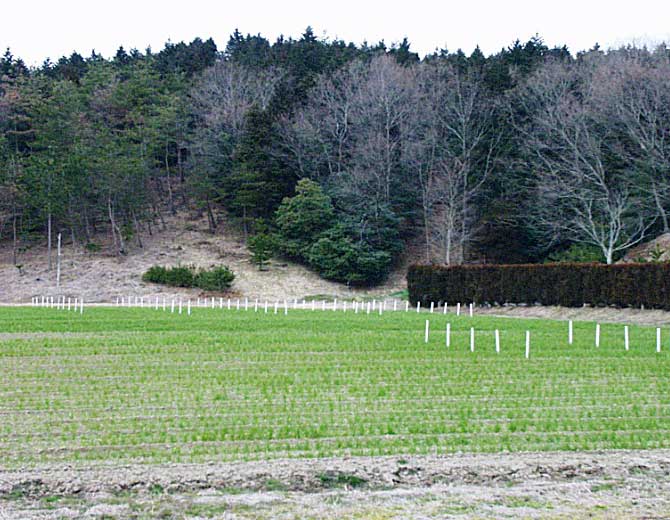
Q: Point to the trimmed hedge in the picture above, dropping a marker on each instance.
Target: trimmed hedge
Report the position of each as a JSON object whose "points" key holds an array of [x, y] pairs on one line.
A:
{"points": [[566, 284]]}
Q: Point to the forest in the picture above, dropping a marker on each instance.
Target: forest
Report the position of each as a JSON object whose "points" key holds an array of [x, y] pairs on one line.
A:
{"points": [[340, 156]]}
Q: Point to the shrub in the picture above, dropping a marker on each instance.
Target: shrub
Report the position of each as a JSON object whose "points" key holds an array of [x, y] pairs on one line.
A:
{"points": [[218, 279], [336, 257], [566, 284]]}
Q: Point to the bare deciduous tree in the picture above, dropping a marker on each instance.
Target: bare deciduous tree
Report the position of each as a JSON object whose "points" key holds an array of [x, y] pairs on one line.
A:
{"points": [[584, 194]]}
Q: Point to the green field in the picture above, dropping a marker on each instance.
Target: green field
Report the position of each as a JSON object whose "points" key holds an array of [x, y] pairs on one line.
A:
{"points": [[139, 385]]}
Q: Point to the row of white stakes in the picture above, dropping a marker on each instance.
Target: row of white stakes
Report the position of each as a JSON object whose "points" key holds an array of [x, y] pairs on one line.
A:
{"points": [[76, 304], [355, 306], [626, 336]]}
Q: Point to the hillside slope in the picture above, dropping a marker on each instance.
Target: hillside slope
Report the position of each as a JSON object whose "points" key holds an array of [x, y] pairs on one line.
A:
{"points": [[98, 277]]}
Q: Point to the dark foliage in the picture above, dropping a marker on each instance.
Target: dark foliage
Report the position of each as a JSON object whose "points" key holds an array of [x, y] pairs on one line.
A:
{"points": [[565, 284]]}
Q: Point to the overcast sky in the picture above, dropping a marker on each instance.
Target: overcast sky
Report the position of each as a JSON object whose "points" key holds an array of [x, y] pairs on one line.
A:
{"points": [[36, 29]]}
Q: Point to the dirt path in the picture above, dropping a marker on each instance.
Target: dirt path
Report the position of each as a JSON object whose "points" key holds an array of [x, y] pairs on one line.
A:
{"points": [[625, 484]]}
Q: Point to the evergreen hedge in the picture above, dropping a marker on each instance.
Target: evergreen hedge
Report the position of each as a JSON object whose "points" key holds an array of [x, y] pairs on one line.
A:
{"points": [[566, 284]]}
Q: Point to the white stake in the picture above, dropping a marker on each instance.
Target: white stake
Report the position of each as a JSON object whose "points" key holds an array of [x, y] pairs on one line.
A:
{"points": [[471, 308], [472, 339], [458, 309], [427, 330], [246, 304], [368, 310], [188, 310], [345, 305], [256, 305], [335, 304], [172, 306], [313, 304], [395, 305], [276, 304], [355, 307], [238, 304], [228, 303], [381, 309], [597, 334], [164, 304], [444, 310], [407, 306], [68, 304], [625, 337], [448, 335], [180, 304], [570, 332], [81, 306], [323, 305], [658, 340], [418, 306], [374, 304], [497, 336], [432, 306], [220, 303], [156, 306], [527, 344], [266, 306], [285, 307]]}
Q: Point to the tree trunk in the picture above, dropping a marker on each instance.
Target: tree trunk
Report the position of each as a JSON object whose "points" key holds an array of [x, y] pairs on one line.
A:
{"points": [[49, 239], [15, 240], [210, 218], [116, 232], [137, 231]]}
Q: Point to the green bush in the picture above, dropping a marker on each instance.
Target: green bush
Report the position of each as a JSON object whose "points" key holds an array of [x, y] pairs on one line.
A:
{"points": [[578, 253], [217, 279], [566, 284], [336, 257], [179, 276]]}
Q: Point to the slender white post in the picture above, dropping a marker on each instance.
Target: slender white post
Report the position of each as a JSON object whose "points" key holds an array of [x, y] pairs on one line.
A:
{"points": [[570, 332], [228, 303], [256, 305], [238, 304], [658, 340], [345, 305], [432, 306], [246, 304], [81, 306], [418, 306], [527, 344], [285, 307], [212, 302], [188, 310], [172, 306], [471, 310], [355, 307], [458, 309], [266, 306], [180, 304], [381, 309], [448, 335], [406, 306], [117, 301], [368, 309], [313, 304], [497, 335], [156, 306], [164, 304], [220, 303], [395, 305], [625, 337], [597, 334], [444, 310], [335, 304], [374, 304], [323, 305], [276, 304], [427, 331], [472, 339]]}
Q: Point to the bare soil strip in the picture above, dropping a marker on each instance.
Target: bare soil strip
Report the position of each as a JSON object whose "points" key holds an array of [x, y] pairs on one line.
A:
{"points": [[610, 484]]}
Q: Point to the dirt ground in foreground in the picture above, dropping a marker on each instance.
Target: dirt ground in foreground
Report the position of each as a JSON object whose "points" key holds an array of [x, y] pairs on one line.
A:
{"points": [[612, 484]]}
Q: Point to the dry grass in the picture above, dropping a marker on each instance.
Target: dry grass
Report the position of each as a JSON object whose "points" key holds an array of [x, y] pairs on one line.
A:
{"points": [[101, 277]]}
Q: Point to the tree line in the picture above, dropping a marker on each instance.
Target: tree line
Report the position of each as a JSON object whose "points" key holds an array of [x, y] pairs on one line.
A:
{"points": [[342, 154]]}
